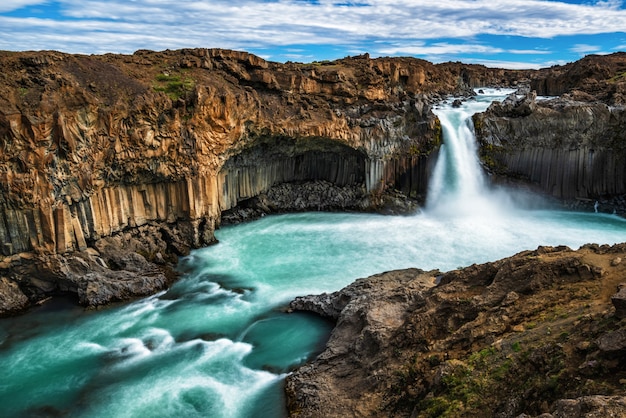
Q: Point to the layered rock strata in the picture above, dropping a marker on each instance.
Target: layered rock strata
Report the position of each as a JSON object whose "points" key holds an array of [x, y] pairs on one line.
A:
{"points": [[536, 334]]}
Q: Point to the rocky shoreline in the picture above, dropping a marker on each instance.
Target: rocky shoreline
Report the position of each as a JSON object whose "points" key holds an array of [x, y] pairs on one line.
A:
{"points": [[192, 138], [318, 196], [541, 333], [123, 267]]}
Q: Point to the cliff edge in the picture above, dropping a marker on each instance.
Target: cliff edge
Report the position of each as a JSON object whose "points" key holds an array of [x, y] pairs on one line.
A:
{"points": [[570, 145], [112, 166], [541, 333]]}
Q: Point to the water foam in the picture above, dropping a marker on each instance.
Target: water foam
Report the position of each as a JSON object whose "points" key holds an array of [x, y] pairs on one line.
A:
{"points": [[216, 343]]}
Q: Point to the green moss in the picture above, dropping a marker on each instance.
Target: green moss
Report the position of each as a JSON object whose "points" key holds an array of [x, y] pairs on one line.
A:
{"points": [[618, 77], [175, 86], [438, 132], [478, 122], [438, 407]]}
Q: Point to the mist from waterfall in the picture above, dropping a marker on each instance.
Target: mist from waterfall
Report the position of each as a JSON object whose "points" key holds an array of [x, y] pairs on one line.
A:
{"points": [[218, 343], [458, 186]]}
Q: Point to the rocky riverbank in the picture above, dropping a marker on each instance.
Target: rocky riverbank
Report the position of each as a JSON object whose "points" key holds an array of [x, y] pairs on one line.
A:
{"points": [[541, 333], [105, 147]]}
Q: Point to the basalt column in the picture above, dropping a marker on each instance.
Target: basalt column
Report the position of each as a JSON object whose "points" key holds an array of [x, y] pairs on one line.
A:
{"points": [[273, 161]]}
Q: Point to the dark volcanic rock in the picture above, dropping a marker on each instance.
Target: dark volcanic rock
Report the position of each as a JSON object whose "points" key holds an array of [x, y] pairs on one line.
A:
{"points": [[568, 149], [619, 299], [479, 343], [590, 407], [12, 299], [598, 77], [367, 313]]}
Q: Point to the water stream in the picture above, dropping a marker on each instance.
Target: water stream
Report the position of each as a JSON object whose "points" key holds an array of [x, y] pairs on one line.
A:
{"points": [[217, 343]]}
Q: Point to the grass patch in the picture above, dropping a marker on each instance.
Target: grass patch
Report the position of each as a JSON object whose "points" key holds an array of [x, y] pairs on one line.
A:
{"points": [[618, 77], [175, 86]]}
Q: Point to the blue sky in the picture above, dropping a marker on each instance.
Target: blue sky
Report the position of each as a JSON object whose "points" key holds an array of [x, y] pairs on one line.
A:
{"points": [[509, 33]]}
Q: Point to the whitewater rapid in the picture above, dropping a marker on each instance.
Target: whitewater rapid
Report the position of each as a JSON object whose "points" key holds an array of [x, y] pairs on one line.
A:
{"points": [[218, 344]]}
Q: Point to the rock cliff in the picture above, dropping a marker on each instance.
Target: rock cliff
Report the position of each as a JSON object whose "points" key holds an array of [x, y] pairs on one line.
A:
{"points": [[571, 147], [598, 77], [541, 333], [149, 149]]}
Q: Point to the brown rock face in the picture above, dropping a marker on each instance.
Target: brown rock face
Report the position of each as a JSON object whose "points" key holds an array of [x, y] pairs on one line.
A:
{"points": [[527, 335], [619, 300], [595, 77], [97, 146]]}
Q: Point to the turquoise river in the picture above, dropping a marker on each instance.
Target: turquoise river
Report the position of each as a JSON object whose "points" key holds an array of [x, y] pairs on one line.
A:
{"points": [[218, 344]]}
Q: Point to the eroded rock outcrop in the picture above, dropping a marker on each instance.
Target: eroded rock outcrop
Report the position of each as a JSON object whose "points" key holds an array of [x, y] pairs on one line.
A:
{"points": [[528, 335], [593, 78], [571, 147], [568, 149], [101, 146]]}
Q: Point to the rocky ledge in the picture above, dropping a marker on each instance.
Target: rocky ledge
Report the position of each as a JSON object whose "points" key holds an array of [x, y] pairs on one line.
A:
{"points": [[542, 333], [137, 263]]}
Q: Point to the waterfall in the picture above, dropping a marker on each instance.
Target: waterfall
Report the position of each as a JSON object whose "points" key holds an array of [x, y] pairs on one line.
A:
{"points": [[458, 185]]}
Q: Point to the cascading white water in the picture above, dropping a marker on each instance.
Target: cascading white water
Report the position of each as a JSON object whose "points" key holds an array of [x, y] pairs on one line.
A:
{"points": [[217, 343], [458, 185]]}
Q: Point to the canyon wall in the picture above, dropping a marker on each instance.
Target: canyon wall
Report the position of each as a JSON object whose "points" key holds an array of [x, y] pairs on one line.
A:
{"points": [[150, 149], [102, 156], [567, 148]]}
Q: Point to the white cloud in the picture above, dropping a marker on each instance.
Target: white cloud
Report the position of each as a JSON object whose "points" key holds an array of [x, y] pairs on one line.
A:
{"points": [[11, 5], [402, 26], [439, 49], [528, 51], [585, 49]]}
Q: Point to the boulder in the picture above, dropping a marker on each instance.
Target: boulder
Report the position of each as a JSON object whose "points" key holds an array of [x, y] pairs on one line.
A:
{"points": [[619, 300], [12, 299]]}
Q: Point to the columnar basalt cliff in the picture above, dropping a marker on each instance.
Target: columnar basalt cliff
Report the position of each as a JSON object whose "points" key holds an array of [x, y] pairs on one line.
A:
{"points": [[149, 149], [572, 147]]}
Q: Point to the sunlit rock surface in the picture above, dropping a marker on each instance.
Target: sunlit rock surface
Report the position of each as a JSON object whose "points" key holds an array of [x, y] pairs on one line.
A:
{"points": [[527, 335], [100, 146]]}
